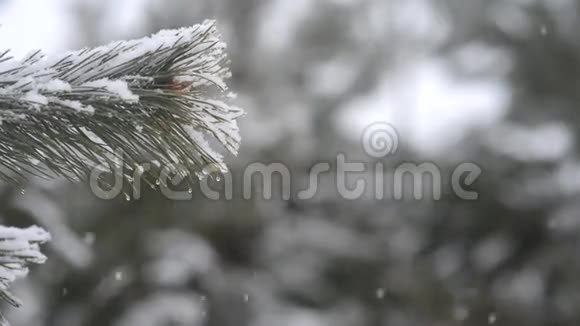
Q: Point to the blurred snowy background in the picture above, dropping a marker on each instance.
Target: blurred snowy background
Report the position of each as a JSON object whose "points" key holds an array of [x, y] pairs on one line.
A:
{"points": [[493, 82]]}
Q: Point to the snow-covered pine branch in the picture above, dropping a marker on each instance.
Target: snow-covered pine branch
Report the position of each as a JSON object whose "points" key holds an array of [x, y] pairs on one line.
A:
{"points": [[18, 249], [155, 99]]}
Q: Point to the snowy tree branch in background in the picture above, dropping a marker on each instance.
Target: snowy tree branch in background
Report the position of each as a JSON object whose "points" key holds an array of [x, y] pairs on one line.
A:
{"points": [[154, 99], [18, 249]]}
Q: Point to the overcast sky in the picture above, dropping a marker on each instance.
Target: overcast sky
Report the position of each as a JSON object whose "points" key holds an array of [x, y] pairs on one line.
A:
{"points": [[34, 24]]}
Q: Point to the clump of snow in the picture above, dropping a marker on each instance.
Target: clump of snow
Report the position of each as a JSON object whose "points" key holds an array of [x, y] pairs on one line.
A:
{"points": [[75, 105], [55, 85], [18, 249], [35, 98], [117, 87]]}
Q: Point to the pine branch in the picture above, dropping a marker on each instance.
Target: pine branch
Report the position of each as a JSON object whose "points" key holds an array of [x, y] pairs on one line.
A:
{"points": [[155, 99], [18, 249]]}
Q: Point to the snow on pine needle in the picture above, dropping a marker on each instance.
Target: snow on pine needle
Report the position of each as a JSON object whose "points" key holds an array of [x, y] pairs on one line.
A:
{"points": [[159, 99], [18, 249]]}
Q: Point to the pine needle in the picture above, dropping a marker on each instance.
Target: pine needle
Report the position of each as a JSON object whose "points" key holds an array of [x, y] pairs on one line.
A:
{"points": [[159, 99]]}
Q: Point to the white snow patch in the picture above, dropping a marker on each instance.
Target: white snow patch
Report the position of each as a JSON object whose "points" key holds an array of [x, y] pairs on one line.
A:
{"points": [[35, 98], [118, 87], [55, 85], [18, 248], [75, 105]]}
